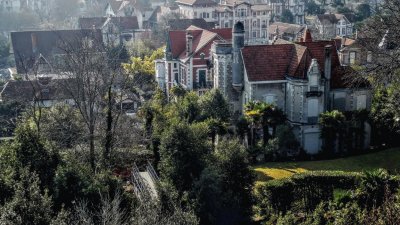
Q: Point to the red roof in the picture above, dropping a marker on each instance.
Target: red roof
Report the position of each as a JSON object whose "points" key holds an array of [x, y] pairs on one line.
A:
{"points": [[317, 51], [202, 40], [275, 62], [267, 62]]}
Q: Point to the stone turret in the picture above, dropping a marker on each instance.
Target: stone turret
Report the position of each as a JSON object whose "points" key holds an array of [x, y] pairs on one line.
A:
{"points": [[237, 64]]}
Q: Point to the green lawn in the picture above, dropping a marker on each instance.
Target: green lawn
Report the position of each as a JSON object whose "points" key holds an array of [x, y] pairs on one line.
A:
{"points": [[388, 159]]}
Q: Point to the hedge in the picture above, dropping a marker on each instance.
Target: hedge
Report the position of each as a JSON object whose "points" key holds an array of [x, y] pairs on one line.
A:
{"points": [[302, 191]]}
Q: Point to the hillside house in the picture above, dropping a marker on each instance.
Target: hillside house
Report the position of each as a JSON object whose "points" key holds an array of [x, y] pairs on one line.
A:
{"points": [[141, 9], [115, 30], [29, 46], [285, 31], [303, 79], [186, 60], [296, 7], [254, 16], [329, 26]]}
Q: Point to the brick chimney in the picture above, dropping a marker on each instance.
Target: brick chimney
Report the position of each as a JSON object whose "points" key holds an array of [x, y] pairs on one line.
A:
{"points": [[189, 43]]}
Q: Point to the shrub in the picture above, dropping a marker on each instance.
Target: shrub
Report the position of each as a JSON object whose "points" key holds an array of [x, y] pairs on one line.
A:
{"points": [[302, 191]]}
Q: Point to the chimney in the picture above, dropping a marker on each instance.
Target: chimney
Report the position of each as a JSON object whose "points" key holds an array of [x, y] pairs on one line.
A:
{"points": [[189, 43], [328, 75], [34, 43], [328, 62]]}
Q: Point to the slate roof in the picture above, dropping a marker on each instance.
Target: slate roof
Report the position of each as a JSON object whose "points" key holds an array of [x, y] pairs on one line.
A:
{"points": [[91, 22], [29, 45], [334, 18], [278, 61], [285, 28], [29, 90], [125, 22], [183, 24], [202, 40]]}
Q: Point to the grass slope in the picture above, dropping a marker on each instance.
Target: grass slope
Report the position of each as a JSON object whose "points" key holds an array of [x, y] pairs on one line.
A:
{"points": [[388, 159]]}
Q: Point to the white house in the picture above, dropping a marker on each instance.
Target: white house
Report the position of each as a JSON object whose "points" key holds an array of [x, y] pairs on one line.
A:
{"points": [[331, 25], [303, 79]]}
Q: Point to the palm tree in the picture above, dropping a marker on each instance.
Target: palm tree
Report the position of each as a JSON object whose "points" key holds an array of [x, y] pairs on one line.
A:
{"points": [[332, 124], [265, 115], [253, 115]]}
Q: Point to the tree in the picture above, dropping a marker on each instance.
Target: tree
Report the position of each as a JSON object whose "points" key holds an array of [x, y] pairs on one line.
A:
{"points": [[28, 205], [4, 52], [287, 16], [264, 115], [97, 86], [363, 11], [343, 9], [182, 152], [31, 151], [63, 126], [332, 124], [313, 8], [231, 163], [214, 105], [383, 72]]}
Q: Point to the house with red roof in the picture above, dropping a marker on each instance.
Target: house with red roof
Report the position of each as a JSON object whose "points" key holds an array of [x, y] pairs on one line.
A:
{"points": [[186, 60], [304, 79]]}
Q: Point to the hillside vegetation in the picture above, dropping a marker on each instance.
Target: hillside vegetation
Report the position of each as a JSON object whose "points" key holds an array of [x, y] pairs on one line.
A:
{"points": [[387, 159]]}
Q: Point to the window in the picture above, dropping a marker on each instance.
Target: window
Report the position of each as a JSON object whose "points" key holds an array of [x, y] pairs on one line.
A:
{"points": [[270, 98], [352, 57], [343, 31], [175, 65], [254, 34], [202, 78], [176, 78], [313, 111], [226, 24], [361, 102], [338, 31]]}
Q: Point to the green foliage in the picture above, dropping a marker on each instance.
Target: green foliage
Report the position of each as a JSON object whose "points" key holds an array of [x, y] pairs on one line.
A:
{"points": [[63, 126], [332, 125], [287, 16], [313, 8], [31, 151], [70, 184], [144, 66], [28, 205], [343, 9], [263, 115], [302, 191], [9, 112], [214, 105], [4, 52], [363, 11], [375, 186], [385, 115], [182, 152]]}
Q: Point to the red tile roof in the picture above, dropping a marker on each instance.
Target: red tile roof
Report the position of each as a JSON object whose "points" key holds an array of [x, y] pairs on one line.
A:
{"points": [[202, 40], [267, 62], [275, 62]]}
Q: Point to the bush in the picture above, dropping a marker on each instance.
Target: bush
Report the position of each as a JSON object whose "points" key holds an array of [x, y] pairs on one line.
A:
{"points": [[302, 191]]}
